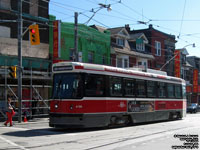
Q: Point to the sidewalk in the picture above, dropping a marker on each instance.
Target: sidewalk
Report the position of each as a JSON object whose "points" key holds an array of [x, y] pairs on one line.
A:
{"points": [[29, 122]]}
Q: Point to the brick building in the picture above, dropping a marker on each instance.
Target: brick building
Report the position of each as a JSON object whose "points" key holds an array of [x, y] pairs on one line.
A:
{"points": [[161, 45]]}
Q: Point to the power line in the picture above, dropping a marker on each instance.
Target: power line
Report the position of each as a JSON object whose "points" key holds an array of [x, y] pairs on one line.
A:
{"points": [[182, 19]]}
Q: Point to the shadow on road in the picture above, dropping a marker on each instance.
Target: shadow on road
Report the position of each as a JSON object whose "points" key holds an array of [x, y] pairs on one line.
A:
{"points": [[46, 132]]}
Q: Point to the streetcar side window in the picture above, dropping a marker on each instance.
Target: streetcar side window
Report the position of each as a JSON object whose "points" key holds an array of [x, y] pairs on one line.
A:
{"points": [[141, 88], [129, 87], [115, 86], [161, 89], [184, 91], [94, 85], [170, 90], [151, 89], [178, 93]]}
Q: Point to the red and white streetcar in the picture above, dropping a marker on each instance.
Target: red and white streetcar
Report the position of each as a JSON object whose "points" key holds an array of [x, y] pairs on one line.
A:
{"points": [[91, 95]]}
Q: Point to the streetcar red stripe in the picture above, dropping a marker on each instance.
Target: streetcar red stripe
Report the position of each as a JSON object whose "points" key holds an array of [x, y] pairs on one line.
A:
{"points": [[101, 106]]}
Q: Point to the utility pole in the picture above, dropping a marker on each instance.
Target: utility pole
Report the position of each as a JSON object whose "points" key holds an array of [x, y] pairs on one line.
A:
{"points": [[76, 36], [20, 61]]}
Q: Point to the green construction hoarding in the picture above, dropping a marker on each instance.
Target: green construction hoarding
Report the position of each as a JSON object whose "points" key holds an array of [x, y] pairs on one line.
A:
{"points": [[93, 45]]}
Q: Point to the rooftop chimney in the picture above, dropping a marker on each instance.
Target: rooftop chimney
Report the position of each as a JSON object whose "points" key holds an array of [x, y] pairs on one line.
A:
{"points": [[127, 27], [150, 26]]}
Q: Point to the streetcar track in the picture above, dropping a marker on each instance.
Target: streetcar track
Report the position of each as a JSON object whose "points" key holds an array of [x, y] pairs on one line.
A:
{"points": [[139, 137], [119, 141]]}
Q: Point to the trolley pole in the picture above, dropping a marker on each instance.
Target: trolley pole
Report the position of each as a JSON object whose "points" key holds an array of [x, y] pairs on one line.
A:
{"points": [[20, 61], [76, 36]]}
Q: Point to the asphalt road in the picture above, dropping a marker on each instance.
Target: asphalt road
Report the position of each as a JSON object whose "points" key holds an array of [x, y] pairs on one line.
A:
{"points": [[166, 135]]}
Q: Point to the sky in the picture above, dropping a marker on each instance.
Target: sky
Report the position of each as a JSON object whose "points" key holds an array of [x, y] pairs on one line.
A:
{"points": [[176, 17]]}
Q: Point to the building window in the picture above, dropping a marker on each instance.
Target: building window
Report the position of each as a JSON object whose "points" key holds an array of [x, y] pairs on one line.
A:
{"points": [[158, 48], [103, 59], [120, 42], [125, 63], [5, 4], [140, 45], [119, 62], [90, 57]]}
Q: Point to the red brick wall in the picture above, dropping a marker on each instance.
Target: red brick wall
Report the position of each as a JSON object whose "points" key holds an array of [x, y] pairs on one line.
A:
{"points": [[132, 61], [113, 60]]}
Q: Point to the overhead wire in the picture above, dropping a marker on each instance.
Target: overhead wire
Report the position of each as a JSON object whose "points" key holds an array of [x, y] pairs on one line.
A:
{"points": [[113, 16], [182, 19]]}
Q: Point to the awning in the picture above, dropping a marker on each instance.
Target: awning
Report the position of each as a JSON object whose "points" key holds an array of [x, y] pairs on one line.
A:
{"points": [[27, 62]]}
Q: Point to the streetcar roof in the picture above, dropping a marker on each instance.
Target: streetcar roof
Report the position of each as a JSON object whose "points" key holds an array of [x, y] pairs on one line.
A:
{"points": [[62, 67]]}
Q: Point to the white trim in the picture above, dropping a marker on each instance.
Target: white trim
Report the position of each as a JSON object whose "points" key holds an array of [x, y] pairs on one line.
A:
{"points": [[120, 99]]}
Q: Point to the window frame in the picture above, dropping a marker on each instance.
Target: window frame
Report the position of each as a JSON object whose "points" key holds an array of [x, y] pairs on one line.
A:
{"points": [[164, 90], [155, 92], [120, 81], [95, 89], [158, 48], [181, 91], [120, 41], [133, 87], [137, 87], [169, 95]]}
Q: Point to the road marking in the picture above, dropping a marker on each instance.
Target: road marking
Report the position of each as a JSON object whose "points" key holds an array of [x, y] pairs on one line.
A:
{"points": [[12, 143]]}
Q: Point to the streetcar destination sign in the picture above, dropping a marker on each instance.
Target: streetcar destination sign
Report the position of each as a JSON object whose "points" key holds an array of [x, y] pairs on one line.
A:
{"points": [[62, 68]]}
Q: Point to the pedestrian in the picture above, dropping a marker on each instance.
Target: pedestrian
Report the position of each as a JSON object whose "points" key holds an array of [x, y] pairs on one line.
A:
{"points": [[9, 112]]}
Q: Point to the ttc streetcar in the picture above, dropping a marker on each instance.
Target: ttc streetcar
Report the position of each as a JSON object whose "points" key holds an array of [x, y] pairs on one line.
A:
{"points": [[91, 95]]}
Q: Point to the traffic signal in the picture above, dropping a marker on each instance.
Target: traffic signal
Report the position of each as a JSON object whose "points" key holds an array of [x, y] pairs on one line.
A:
{"points": [[13, 71], [34, 34]]}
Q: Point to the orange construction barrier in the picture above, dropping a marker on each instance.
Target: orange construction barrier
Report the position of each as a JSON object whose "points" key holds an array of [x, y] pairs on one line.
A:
{"points": [[25, 119]]}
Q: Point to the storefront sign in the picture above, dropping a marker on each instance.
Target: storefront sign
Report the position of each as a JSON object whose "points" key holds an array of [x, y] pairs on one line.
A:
{"points": [[56, 39], [195, 80], [188, 89]]}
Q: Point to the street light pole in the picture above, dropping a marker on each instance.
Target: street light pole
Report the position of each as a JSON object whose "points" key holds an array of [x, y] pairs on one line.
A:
{"points": [[76, 36], [19, 61]]}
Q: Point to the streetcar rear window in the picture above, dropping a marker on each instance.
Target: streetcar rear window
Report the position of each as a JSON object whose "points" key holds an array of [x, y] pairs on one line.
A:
{"points": [[170, 90], [178, 93]]}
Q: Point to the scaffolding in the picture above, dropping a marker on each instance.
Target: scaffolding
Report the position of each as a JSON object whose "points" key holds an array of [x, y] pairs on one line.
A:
{"points": [[36, 90]]}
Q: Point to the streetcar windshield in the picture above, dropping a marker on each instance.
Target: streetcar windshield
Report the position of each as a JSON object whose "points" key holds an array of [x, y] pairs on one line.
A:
{"points": [[67, 86]]}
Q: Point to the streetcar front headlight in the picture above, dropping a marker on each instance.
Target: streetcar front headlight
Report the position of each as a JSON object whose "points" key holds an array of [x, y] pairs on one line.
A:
{"points": [[71, 107], [56, 106]]}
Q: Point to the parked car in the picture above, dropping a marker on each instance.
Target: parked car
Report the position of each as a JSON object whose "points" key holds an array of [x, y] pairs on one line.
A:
{"points": [[192, 108]]}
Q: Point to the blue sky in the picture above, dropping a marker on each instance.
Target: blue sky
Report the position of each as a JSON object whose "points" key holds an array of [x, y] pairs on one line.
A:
{"points": [[177, 17]]}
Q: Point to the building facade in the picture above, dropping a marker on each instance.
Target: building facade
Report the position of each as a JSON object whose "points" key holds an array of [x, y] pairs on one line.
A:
{"points": [[125, 51], [161, 46], [36, 62], [195, 79], [93, 44]]}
